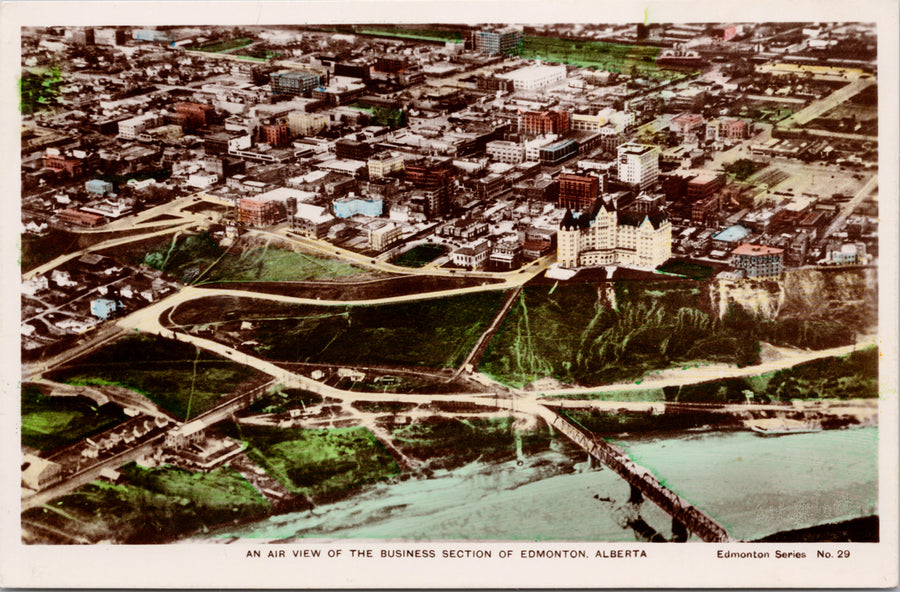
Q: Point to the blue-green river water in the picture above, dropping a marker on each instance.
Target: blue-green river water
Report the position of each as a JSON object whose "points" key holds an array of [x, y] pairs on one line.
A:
{"points": [[754, 486]]}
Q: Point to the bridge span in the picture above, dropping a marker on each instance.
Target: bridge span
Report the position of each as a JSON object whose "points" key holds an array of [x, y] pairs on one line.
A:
{"points": [[685, 517]]}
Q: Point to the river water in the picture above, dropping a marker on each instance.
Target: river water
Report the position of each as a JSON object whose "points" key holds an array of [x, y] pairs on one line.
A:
{"points": [[752, 485]]}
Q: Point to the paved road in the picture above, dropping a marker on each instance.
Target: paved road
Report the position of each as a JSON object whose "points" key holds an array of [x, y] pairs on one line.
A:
{"points": [[847, 208], [827, 103]]}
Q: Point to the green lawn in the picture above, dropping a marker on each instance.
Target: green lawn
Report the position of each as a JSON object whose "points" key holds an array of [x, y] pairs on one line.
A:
{"points": [[313, 462], [221, 46], [420, 256], [152, 505], [52, 422], [437, 332], [612, 57], [198, 259], [273, 264], [177, 376], [421, 34]]}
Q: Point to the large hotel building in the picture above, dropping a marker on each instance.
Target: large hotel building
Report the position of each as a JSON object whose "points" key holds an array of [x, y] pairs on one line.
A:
{"points": [[606, 236]]}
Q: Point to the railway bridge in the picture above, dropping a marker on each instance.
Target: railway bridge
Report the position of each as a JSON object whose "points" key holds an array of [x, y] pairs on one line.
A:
{"points": [[685, 517]]}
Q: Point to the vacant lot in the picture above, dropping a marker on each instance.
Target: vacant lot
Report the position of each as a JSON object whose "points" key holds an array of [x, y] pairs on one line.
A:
{"points": [[52, 422], [177, 376], [420, 256], [315, 462], [151, 505]]}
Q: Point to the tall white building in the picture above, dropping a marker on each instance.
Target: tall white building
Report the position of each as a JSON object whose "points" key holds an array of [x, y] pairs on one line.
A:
{"points": [[638, 165], [130, 128]]}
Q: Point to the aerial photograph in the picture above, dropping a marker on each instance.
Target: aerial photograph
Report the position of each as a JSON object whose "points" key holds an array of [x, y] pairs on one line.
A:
{"points": [[449, 282]]}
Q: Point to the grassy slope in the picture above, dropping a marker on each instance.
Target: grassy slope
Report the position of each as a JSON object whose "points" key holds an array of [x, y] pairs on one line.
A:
{"points": [[176, 376]]}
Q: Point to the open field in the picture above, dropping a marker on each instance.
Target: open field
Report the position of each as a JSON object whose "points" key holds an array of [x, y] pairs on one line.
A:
{"points": [[420, 34], [613, 57], [177, 376], [52, 422], [316, 462], [198, 259], [226, 45], [151, 505], [273, 264]]}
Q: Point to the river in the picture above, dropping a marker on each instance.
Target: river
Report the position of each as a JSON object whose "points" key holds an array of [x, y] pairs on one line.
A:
{"points": [[752, 485]]}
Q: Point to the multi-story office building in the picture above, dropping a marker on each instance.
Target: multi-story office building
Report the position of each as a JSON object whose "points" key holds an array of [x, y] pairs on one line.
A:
{"points": [[306, 124], [194, 115], [606, 236], [638, 165], [130, 128], [557, 152], [294, 82], [758, 261], [260, 212], [577, 192], [384, 236], [505, 41], [276, 135], [503, 151], [535, 123], [382, 164]]}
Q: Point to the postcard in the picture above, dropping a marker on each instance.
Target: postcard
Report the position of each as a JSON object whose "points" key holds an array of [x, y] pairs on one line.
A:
{"points": [[450, 295]]}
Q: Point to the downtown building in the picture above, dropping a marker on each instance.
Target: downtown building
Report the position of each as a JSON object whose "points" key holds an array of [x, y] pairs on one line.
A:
{"points": [[294, 82], [505, 41], [758, 261], [606, 236], [577, 192], [538, 123], [638, 165]]}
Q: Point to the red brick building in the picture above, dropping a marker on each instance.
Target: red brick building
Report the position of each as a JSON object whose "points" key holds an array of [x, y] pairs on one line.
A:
{"points": [[389, 65], [429, 173], [705, 211], [60, 163], [74, 216], [194, 115], [276, 135], [258, 212], [703, 186], [536, 123], [577, 192]]}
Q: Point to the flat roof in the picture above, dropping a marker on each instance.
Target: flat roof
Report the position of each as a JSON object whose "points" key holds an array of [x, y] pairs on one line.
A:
{"points": [[748, 249]]}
